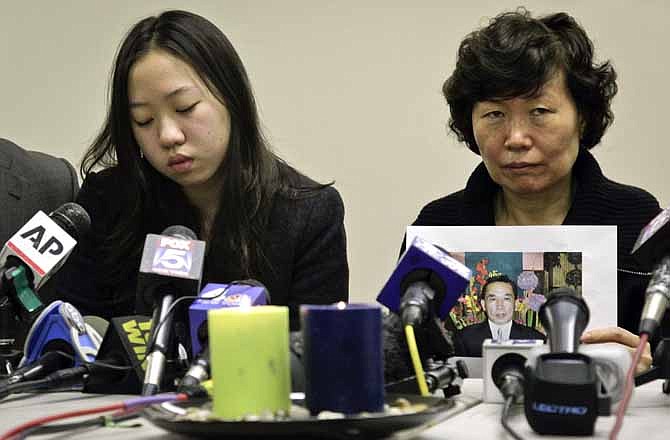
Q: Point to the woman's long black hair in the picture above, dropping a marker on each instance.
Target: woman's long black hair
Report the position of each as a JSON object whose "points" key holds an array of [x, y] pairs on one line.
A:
{"points": [[253, 174]]}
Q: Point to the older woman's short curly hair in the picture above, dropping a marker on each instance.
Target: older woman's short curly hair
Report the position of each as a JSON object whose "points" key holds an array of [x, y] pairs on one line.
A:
{"points": [[515, 55]]}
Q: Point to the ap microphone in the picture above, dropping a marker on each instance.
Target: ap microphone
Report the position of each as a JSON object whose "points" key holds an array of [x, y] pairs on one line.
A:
{"points": [[171, 267], [425, 279], [43, 244], [652, 248]]}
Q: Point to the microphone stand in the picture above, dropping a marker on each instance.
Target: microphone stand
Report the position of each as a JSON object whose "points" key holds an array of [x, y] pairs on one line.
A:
{"points": [[660, 368], [161, 337]]}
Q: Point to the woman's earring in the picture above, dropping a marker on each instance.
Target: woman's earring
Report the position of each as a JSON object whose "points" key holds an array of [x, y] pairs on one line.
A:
{"points": [[141, 154]]}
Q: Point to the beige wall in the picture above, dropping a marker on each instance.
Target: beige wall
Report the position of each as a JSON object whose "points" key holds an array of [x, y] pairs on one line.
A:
{"points": [[348, 90]]}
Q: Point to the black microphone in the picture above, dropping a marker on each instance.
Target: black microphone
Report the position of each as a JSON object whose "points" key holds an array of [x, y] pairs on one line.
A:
{"points": [[508, 374], [171, 267], [198, 372], [563, 389], [49, 362], [564, 316]]}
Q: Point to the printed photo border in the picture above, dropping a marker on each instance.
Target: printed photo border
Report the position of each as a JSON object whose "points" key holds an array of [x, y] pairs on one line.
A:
{"points": [[597, 244]]}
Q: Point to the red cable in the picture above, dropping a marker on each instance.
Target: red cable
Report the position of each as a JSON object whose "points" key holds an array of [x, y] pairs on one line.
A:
{"points": [[43, 420], [123, 407], [628, 390]]}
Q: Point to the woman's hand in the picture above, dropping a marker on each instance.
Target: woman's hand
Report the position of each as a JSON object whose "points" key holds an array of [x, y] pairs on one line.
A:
{"points": [[623, 337]]}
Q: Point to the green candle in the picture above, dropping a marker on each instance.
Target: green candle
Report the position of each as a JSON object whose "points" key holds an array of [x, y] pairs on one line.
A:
{"points": [[249, 360]]}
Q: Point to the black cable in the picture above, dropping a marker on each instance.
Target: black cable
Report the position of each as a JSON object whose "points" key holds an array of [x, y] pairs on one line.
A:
{"points": [[170, 310], [23, 387], [505, 415]]}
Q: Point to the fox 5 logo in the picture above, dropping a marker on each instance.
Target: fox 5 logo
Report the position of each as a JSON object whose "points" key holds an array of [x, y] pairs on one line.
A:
{"points": [[178, 260]]}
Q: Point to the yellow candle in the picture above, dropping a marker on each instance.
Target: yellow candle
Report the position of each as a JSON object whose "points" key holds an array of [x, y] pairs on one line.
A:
{"points": [[249, 360]]}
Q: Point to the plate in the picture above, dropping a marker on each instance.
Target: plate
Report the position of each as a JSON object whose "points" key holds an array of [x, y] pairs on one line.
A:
{"points": [[401, 412]]}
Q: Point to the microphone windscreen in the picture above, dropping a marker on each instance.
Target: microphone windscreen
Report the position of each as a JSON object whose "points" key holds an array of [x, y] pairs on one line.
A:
{"points": [[179, 231], [564, 316], [397, 360], [72, 218]]}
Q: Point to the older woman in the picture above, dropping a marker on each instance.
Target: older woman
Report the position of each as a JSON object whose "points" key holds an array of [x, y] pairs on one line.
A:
{"points": [[527, 96]]}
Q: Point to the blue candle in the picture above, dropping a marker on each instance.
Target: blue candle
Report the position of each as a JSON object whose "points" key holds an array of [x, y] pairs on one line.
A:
{"points": [[343, 357]]}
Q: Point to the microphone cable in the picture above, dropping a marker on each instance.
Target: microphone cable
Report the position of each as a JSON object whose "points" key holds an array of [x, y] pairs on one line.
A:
{"points": [[170, 310], [508, 376], [121, 408], [71, 376], [628, 389], [416, 360], [61, 378]]}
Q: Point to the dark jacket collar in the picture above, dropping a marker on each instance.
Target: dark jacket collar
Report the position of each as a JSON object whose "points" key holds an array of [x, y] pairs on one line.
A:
{"points": [[481, 189]]}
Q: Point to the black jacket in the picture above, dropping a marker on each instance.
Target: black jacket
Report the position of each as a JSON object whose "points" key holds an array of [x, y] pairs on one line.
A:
{"points": [[468, 341], [597, 201], [304, 242]]}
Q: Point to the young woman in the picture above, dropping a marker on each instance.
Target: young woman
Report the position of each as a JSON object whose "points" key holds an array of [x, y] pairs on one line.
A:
{"points": [[182, 145]]}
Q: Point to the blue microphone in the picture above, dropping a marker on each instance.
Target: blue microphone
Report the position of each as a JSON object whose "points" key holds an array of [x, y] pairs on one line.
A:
{"points": [[215, 296], [425, 279], [60, 326]]}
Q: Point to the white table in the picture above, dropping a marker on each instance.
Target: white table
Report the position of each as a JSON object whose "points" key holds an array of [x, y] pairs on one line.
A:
{"points": [[648, 417]]}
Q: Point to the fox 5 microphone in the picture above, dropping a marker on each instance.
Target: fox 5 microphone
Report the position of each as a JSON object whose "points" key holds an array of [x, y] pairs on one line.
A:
{"points": [[171, 267], [214, 296]]}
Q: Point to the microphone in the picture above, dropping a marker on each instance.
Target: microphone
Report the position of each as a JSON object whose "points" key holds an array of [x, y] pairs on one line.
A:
{"points": [[49, 362], [43, 244], [27, 260], [508, 375], [563, 392], [214, 296], [564, 316], [652, 248], [60, 326], [426, 280], [171, 267], [123, 351]]}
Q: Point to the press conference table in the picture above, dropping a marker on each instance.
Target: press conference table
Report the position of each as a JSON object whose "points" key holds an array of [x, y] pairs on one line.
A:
{"points": [[648, 417]]}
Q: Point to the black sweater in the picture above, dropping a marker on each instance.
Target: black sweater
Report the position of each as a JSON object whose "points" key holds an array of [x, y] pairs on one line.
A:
{"points": [[304, 242], [597, 201]]}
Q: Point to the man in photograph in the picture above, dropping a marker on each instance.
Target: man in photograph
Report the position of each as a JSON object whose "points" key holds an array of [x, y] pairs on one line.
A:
{"points": [[498, 299]]}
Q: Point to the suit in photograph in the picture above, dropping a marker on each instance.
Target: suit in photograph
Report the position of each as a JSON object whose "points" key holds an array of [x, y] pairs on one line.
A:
{"points": [[469, 340]]}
